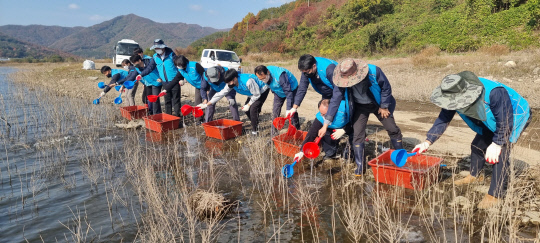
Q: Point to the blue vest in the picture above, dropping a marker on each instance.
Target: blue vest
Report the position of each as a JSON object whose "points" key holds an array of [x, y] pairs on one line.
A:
{"points": [[342, 115], [146, 57], [322, 64], [520, 107], [191, 75], [123, 73], [215, 87], [242, 83], [374, 88], [168, 65], [274, 83], [150, 79]]}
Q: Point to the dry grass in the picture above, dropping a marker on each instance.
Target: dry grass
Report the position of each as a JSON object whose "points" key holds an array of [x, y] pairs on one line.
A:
{"points": [[159, 183], [495, 50]]}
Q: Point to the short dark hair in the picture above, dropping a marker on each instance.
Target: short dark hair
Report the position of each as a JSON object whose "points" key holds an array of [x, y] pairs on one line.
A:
{"points": [[230, 75], [105, 69], [324, 102], [138, 50], [261, 69], [181, 61], [306, 61], [126, 61], [135, 58]]}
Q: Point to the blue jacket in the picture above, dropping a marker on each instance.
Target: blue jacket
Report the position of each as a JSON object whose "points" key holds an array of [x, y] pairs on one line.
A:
{"points": [[150, 79], [195, 71], [192, 75], [117, 76], [506, 112], [380, 93], [276, 74], [242, 83], [342, 116], [166, 68], [283, 84], [206, 85], [123, 73], [323, 84], [132, 74], [209, 87]]}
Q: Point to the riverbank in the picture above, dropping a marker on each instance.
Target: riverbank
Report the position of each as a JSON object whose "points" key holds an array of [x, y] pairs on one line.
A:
{"points": [[318, 204]]}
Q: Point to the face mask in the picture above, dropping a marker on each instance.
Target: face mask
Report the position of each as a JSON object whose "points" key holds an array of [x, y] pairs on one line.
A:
{"points": [[181, 68], [126, 67], [109, 75], [230, 86], [311, 75], [267, 79], [159, 51]]}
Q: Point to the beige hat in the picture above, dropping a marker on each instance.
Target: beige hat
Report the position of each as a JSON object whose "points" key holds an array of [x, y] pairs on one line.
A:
{"points": [[350, 72]]}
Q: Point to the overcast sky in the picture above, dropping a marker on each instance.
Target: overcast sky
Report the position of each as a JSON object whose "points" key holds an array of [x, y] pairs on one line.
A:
{"points": [[209, 13]]}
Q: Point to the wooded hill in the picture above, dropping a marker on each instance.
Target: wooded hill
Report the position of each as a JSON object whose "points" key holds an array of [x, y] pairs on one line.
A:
{"points": [[337, 28], [14, 48], [97, 41]]}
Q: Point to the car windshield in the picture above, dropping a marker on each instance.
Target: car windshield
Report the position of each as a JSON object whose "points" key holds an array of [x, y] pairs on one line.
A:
{"points": [[227, 56], [125, 49]]}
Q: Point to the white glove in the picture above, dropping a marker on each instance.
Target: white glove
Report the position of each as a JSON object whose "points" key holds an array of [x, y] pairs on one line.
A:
{"points": [[139, 77], [298, 156], [202, 106], [338, 133], [492, 153], [245, 108], [290, 112], [163, 91], [182, 82], [420, 148], [102, 94]]}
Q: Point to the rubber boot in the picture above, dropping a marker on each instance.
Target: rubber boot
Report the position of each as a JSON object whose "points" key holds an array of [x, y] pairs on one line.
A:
{"points": [[359, 159], [397, 143]]}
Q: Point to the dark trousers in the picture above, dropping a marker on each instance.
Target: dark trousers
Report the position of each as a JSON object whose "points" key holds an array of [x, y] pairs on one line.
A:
{"points": [[360, 119], [255, 110], [198, 98], [329, 145], [276, 111], [144, 94], [153, 107], [501, 170], [130, 93], [172, 101], [233, 107]]}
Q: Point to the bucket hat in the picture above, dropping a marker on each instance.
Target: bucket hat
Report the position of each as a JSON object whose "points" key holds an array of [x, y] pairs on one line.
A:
{"points": [[158, 43], [457, 91], [350, 72]]}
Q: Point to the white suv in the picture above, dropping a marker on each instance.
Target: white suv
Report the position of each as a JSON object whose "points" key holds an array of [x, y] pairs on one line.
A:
{"points": [[224, 58]]}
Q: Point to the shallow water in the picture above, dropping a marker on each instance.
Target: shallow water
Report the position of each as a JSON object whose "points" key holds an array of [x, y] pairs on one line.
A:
{"points": [[49, 180], [42, 184]]}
